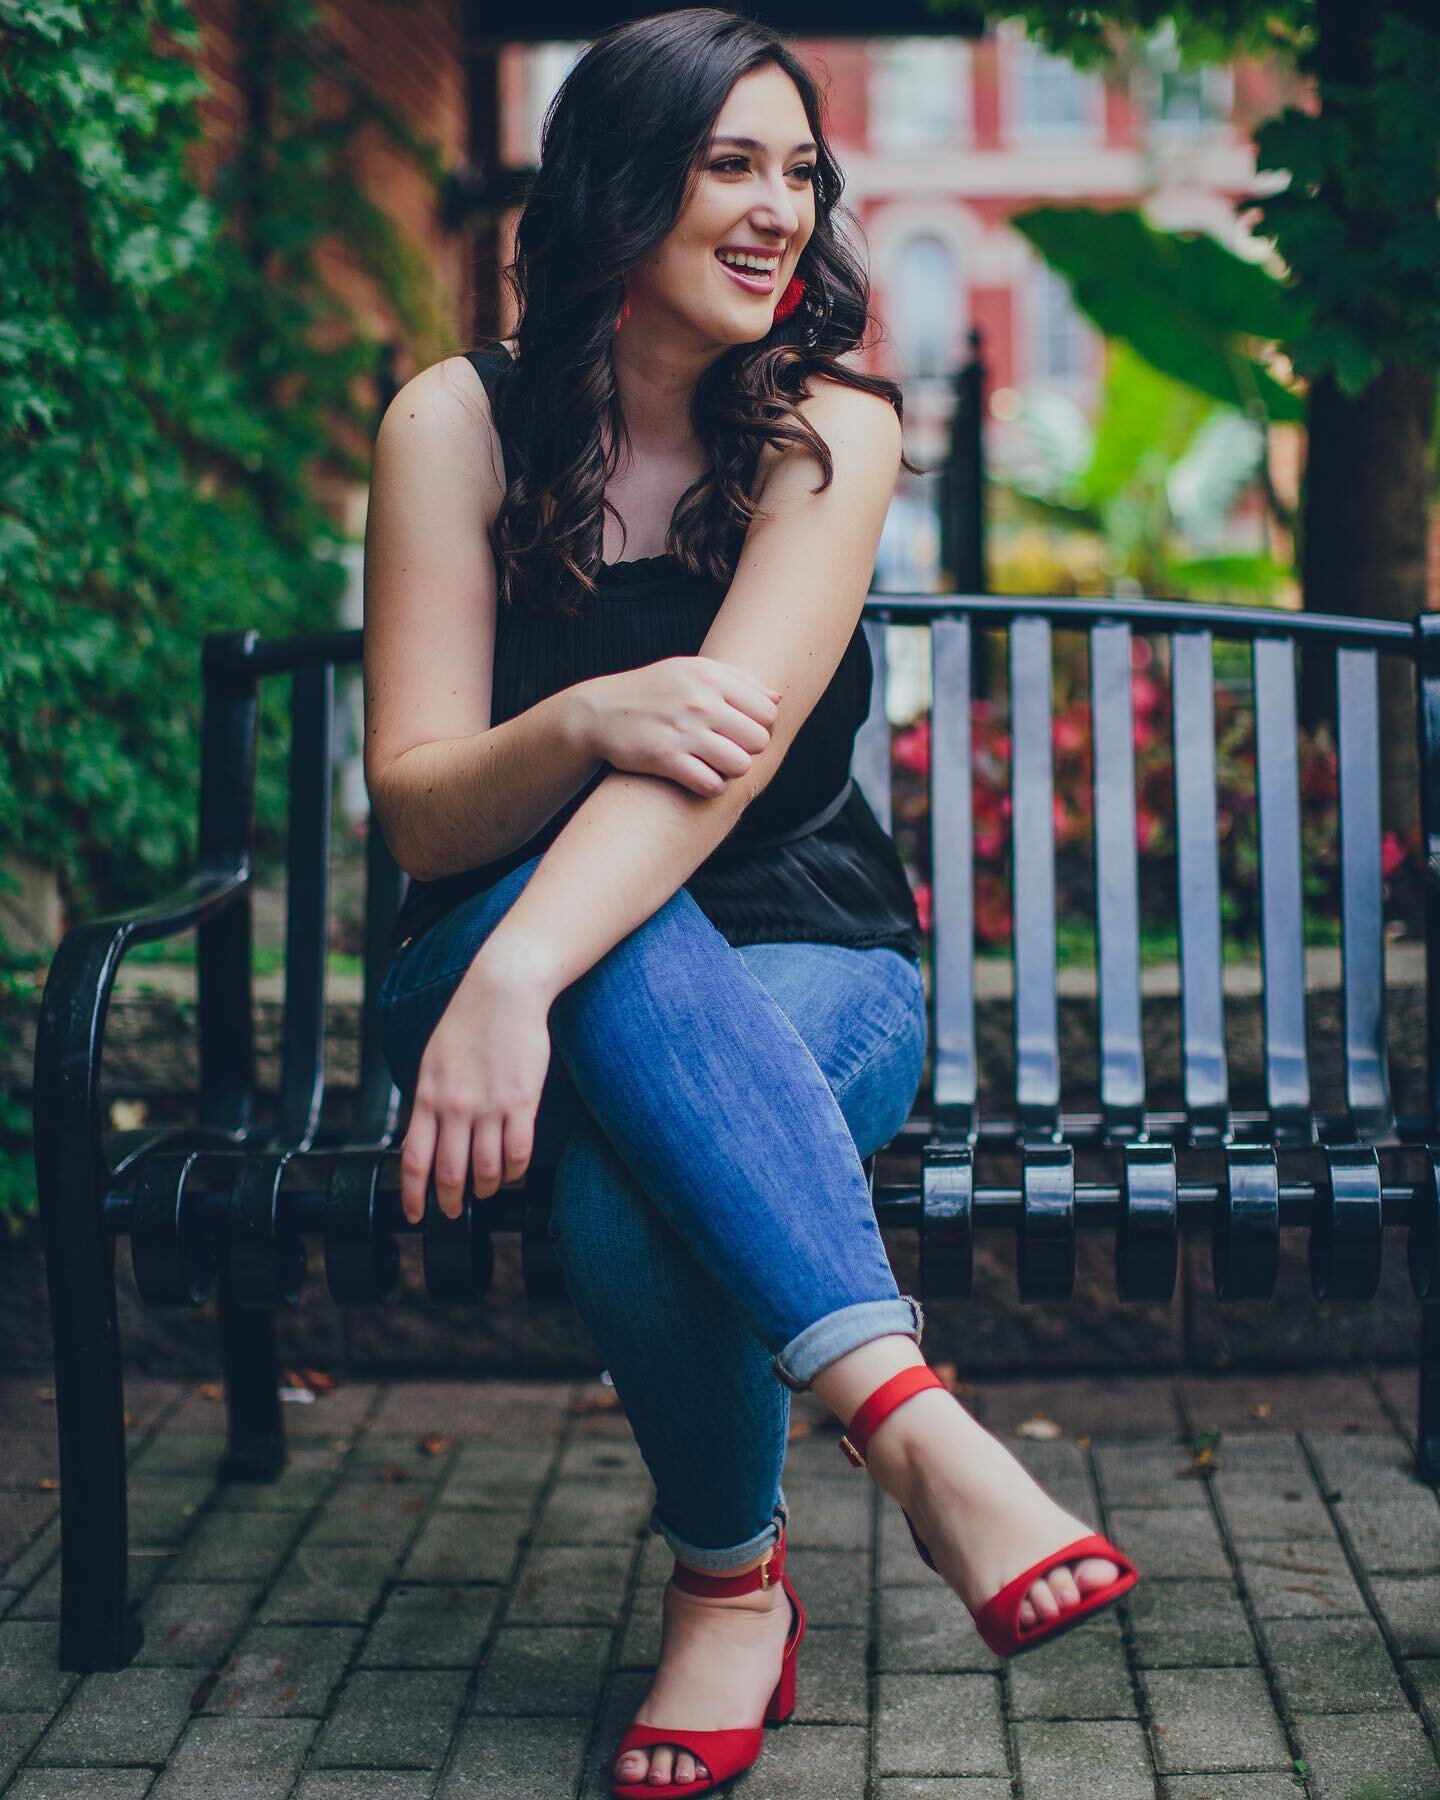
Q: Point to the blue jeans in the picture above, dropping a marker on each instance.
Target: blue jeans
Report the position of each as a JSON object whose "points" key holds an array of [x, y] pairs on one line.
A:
{"points": [[707, 1110]]}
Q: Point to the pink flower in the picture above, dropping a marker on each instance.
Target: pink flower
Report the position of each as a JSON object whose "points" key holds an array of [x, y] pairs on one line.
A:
{"points": [[1069, 734], [1392, 852], [1145, 692], [922, 903], [912, 747], [989, 840]]}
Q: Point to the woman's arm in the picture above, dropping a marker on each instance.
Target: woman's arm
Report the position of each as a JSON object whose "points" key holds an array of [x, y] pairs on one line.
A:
{"points": [[791, 609], [449, 790]]}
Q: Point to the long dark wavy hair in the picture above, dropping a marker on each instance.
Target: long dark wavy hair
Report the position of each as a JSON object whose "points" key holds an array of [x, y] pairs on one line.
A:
{"points": [[621, 147]]}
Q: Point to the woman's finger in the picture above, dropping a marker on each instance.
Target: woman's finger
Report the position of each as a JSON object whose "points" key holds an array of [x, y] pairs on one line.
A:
{"points": [[691, 772], [757, 698], [452, 1163], [723, 754], [519, 1143], [416, 1155], [486, 1157], [741, 729]]}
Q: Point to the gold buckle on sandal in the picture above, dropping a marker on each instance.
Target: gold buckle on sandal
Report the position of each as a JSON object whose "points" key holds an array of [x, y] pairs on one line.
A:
{"points": [[764, 1567], [856, 1459]]}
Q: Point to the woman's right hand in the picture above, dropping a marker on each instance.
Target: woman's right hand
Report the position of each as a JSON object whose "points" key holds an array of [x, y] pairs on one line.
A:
{"points": [[692, 719]]}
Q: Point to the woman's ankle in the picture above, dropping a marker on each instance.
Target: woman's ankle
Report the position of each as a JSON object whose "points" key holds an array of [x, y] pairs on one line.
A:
{"points": [[845, 1384]]}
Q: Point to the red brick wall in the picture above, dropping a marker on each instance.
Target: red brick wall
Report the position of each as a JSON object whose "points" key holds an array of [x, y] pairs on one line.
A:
{"points": [[411, 55]]}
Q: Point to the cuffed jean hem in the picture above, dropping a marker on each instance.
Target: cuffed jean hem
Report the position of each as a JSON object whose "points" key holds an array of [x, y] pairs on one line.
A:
{"points": [[733, 1555], [822, 1343]]}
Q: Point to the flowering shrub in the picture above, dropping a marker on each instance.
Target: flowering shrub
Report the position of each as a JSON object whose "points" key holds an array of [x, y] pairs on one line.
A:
{"points": [[1073, 814]]}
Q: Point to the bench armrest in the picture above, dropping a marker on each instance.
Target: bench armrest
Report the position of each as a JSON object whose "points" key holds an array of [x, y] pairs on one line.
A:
{"points": [[69, 1035]]}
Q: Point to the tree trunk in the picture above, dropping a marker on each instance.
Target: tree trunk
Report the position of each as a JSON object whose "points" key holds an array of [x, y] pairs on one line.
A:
{"points": [[1366, 503]]}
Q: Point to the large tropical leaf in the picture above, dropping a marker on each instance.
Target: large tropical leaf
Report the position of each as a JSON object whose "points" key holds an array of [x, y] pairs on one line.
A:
{"points": [[1189, 306]]}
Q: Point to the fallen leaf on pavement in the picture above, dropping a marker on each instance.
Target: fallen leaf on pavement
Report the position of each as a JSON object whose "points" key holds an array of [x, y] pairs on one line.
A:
{"points": [[1260, 1410], [607, 1400], [433, 1445], [210, 1390], [1038, 1425]]}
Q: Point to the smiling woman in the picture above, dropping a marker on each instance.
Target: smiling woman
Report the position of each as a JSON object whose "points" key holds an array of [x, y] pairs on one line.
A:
{"points": [[614, 670]]}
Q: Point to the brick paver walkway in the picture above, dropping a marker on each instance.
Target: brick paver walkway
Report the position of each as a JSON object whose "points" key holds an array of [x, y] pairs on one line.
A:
{"points": [[453, 1591]]}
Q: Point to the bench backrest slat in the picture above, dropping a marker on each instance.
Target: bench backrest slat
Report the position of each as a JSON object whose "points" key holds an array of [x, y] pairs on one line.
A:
{"points": [[1367, 1081], [1282, 907], [1427, 745], [955, 1083], [377, 1105], [1202, 1012], [307, 906], [1032, 839], [1117, 881]]}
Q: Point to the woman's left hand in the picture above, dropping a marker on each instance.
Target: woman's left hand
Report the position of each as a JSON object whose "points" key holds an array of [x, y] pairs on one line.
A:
{"points": [[477, 1091]]}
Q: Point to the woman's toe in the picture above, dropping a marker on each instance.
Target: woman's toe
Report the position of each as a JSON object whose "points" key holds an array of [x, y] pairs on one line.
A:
{"points": [[662, 1764], [1064, 1588], [1045, 1604], [631, 1766], [1095, 1572], [684, 1766]]}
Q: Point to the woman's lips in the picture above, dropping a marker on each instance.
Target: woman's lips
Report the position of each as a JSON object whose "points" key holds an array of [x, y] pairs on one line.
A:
{"points": [[747, 279]]}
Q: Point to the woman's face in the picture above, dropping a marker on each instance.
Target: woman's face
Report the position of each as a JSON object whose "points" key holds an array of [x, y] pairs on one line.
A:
{"points": [[752, 200]]}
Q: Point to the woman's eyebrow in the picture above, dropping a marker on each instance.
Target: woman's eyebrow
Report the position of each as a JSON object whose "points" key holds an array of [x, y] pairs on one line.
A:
{"points": [[749, 143]]}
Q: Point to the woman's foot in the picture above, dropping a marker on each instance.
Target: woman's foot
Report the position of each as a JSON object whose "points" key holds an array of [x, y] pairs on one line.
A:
{"points": [[719, 1662], [981, 1514]]}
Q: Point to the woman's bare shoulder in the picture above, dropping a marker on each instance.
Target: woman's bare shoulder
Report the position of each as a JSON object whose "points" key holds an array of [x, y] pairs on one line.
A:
{"points": [[442, 418], [850, 421]]}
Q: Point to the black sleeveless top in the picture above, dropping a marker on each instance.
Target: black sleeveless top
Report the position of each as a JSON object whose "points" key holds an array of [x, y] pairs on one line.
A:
{"points": [[807, 862]]}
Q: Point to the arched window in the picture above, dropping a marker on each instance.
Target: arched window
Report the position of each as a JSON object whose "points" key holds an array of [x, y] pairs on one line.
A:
{"points": [[925, 304]]}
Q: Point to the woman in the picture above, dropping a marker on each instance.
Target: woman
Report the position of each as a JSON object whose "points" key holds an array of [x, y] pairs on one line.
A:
{"points": [[614, 669]]}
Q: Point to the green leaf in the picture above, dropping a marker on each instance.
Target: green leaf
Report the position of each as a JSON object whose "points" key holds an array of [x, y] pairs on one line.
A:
{"points": [[1191, 308]]}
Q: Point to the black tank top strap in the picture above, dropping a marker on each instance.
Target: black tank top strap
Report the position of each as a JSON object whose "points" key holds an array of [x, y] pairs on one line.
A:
{"points": [[490, 364]]}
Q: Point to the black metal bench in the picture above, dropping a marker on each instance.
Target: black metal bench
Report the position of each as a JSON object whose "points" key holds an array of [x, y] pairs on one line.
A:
{"points": [[229, 1203]]}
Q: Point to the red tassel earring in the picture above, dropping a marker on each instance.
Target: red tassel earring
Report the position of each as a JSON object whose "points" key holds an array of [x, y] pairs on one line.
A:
{"points": [[790, 299], [624, 313]]}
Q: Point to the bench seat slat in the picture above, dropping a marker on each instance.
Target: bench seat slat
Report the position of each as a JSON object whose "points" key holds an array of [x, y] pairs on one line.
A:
{"points": [[1282, 907], [1032, 826], [952, 894], [1202, 1008], [1117, 883]]}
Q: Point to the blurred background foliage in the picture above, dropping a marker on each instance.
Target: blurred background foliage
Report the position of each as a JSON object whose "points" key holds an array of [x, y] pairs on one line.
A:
{"points": [[173, 374]]}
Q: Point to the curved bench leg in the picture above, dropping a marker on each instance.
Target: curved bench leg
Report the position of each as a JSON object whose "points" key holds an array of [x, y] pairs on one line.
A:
{"points": [[98, 1626], [256, 1447], [1427, 1433]]}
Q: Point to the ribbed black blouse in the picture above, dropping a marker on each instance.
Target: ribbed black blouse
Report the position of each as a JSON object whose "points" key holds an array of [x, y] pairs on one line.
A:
{"points": [[839, 881]]}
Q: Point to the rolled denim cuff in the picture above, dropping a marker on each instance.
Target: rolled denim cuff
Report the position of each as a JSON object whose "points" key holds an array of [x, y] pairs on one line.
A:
{"points": [[819, 1344], [733, 1555]]}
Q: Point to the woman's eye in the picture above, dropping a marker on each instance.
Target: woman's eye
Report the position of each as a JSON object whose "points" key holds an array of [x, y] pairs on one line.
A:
{"points": [[805, 170]]}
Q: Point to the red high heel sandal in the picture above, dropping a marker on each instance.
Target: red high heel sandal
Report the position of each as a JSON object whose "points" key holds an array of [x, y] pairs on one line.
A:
{"points": [[724, 1753], [998, 1620]]}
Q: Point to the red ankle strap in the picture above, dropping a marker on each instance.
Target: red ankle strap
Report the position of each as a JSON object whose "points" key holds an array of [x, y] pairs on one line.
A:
{"points": [[722, 1587], [881, 1404]]}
